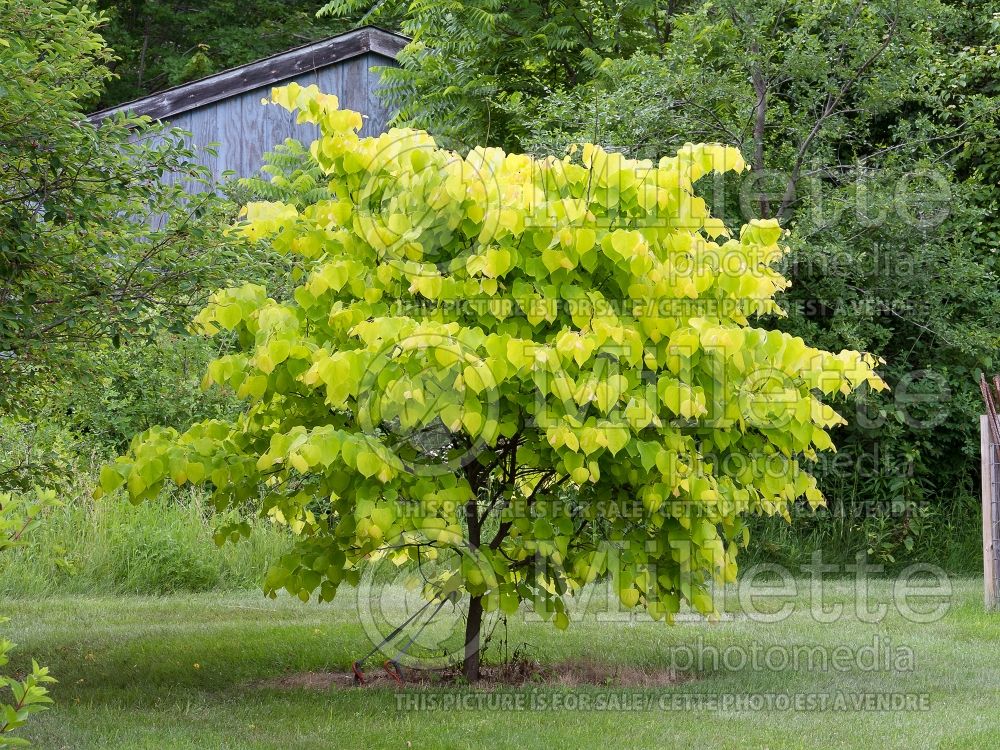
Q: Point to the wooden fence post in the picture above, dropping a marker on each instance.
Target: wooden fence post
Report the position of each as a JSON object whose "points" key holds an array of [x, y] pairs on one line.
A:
{"points": [[990, 486]]}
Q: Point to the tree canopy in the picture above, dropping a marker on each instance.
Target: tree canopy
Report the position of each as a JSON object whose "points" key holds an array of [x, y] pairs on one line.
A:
{"points": [[474, 333]]}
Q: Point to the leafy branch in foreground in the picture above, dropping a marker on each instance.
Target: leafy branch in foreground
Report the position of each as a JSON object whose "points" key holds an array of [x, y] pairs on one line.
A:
{"points": [[30, 697], [17, 518]]}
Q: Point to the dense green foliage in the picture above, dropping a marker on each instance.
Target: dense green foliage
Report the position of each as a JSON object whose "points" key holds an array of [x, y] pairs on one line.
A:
{"points": [[121, 391], [99, 257], [95, 248], [101, 261], [162, 43], [471, 335], [472, 66], [872, 131]]}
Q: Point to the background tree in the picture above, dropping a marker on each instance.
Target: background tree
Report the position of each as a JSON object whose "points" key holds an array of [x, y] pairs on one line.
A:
{"points": [[871, 128], [469, 62], [163, 43], [94, 246], [475, 333]]}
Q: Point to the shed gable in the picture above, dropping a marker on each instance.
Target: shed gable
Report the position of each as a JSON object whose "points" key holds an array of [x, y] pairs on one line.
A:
{"points": [[225, 109]]}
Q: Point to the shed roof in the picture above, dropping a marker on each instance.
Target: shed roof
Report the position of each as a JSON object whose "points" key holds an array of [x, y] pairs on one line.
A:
{"points": [[304, 59]]}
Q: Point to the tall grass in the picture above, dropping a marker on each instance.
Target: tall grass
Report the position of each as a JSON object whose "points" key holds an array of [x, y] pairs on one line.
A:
{"points": [[166, 546], [159, 547], [927, 534]]}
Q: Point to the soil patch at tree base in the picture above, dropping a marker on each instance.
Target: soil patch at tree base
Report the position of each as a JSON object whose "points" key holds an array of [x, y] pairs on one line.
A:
{"points": [[519, 673]]}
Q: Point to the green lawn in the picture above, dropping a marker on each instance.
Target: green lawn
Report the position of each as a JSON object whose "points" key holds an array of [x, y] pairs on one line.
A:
{"points": [[128, 679]]}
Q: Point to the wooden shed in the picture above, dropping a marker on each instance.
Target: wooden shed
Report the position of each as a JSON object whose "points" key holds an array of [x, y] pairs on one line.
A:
{"points": [[225, 108]]}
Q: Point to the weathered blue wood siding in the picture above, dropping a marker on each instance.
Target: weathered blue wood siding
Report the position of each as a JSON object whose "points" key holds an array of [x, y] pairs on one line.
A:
{"points": [[244, 129]]}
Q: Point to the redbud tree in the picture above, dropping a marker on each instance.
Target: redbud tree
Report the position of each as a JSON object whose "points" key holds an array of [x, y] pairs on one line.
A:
{"points": [[536, 372]]}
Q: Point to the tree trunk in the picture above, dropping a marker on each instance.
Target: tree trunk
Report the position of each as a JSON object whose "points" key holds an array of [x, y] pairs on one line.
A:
{"points": [[759, 129], [473, 627], [474, 622], [142, 56]]}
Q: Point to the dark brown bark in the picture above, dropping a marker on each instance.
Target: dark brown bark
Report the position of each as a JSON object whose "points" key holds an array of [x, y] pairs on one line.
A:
{"points": [[759, 127], [474, 621], [473, 630], [478, 477], [142, 55]]}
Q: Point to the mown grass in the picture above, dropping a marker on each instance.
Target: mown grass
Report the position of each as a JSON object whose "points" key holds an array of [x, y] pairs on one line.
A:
{"points": [[185, 671]]}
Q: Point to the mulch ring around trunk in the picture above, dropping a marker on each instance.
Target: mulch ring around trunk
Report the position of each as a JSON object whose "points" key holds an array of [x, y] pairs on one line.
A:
{"points": [[515, 673]]}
